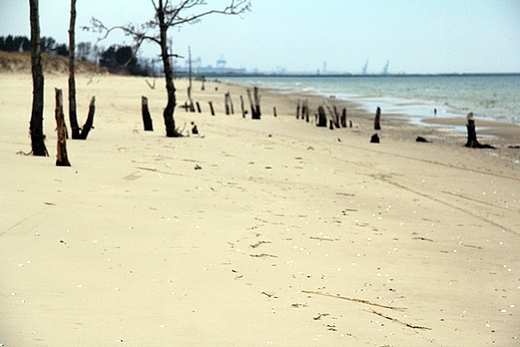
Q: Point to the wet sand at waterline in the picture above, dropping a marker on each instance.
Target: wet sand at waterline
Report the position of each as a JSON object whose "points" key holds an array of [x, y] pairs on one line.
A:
{"points": [[253, 233]]}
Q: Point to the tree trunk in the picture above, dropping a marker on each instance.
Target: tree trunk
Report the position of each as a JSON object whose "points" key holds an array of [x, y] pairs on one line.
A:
{"points": [[377, 125], [72, 83], [36, 124], [90, 119], [61, 157], [147, 119], [169, 121]]}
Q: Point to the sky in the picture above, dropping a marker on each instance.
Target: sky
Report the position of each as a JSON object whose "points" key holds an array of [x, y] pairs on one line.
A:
{"points": [[329, 36]]}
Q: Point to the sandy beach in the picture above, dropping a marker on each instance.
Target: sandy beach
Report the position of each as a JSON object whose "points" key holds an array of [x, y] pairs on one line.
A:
{"points": [[268, 232]]}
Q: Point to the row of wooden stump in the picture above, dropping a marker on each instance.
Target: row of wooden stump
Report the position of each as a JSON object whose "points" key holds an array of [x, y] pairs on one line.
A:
{"points": [[190, 106], [337, 120]]}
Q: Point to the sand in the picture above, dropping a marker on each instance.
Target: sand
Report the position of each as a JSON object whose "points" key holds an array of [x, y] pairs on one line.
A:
{"points": [[254, 233]]}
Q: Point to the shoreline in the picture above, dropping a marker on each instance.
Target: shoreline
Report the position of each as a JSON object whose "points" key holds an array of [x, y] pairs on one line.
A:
{"points": [[449, 131]]}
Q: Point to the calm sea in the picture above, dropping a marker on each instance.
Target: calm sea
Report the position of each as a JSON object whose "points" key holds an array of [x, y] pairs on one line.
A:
{"points": [[493, 97]]}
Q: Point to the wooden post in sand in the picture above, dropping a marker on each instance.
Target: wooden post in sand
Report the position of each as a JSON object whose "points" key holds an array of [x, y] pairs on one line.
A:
{"points": [[211, 108], [255, 106], [147, 119], [322, 117], [298, 110], [377, 126], [61, 157], [198, 106], [472, 134], [228, 103], [242, 106], [344, 118], [274, 112]]}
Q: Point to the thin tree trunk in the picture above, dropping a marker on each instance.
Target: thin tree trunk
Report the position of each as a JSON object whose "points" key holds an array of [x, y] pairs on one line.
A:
{"points": [[61, 157], [169, 121], [72, 83], [36, 124]]}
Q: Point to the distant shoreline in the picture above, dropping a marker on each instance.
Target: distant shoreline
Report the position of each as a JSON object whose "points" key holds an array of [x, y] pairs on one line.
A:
{"points": [[303, 75]]}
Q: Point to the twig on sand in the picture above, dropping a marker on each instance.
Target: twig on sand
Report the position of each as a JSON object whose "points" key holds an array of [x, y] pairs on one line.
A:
{"points": [[321, 238], [263, 255], [259, 243], [361, 301], [398, 321]]}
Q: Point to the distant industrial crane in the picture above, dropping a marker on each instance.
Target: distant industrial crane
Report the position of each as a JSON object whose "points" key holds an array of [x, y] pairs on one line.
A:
{"points": [[364, 70], [385, 69]]}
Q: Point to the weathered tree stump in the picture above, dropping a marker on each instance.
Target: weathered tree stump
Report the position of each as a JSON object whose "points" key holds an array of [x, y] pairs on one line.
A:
{"points": [[344, 118], [229, 104], [322, 117], [61, 157], [211, 108], [254, 102], [377, 125], [147, 119], [374, 139], [472, 134], [90, 119], [242, 107]]}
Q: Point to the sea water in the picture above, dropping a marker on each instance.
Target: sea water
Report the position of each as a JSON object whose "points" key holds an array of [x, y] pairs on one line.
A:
{"points": [[492, 97]]}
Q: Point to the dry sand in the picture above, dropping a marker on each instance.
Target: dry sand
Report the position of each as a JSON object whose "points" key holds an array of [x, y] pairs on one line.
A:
{"points": [[254, 232]]}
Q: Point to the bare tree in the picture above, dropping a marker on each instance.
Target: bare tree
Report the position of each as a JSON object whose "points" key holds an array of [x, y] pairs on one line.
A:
{"points": [[168, 15], [36, 124]]}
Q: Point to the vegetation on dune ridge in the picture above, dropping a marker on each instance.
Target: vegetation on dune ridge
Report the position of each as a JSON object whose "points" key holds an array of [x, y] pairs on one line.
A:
{"points": [[17, 62]]}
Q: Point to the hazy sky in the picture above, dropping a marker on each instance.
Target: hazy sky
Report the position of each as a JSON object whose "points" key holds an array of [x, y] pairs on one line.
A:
{"points": [[416, 36]]}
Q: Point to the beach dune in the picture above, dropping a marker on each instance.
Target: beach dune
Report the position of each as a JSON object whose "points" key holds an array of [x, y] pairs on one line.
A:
{"points": [[252, 233]]}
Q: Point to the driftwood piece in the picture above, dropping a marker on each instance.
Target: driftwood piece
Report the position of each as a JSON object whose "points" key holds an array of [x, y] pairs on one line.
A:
{"points": [[399, 321], [61, 157], [322, 117], [147, 119], [361, 301], [472, 134], [377, 125]]}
